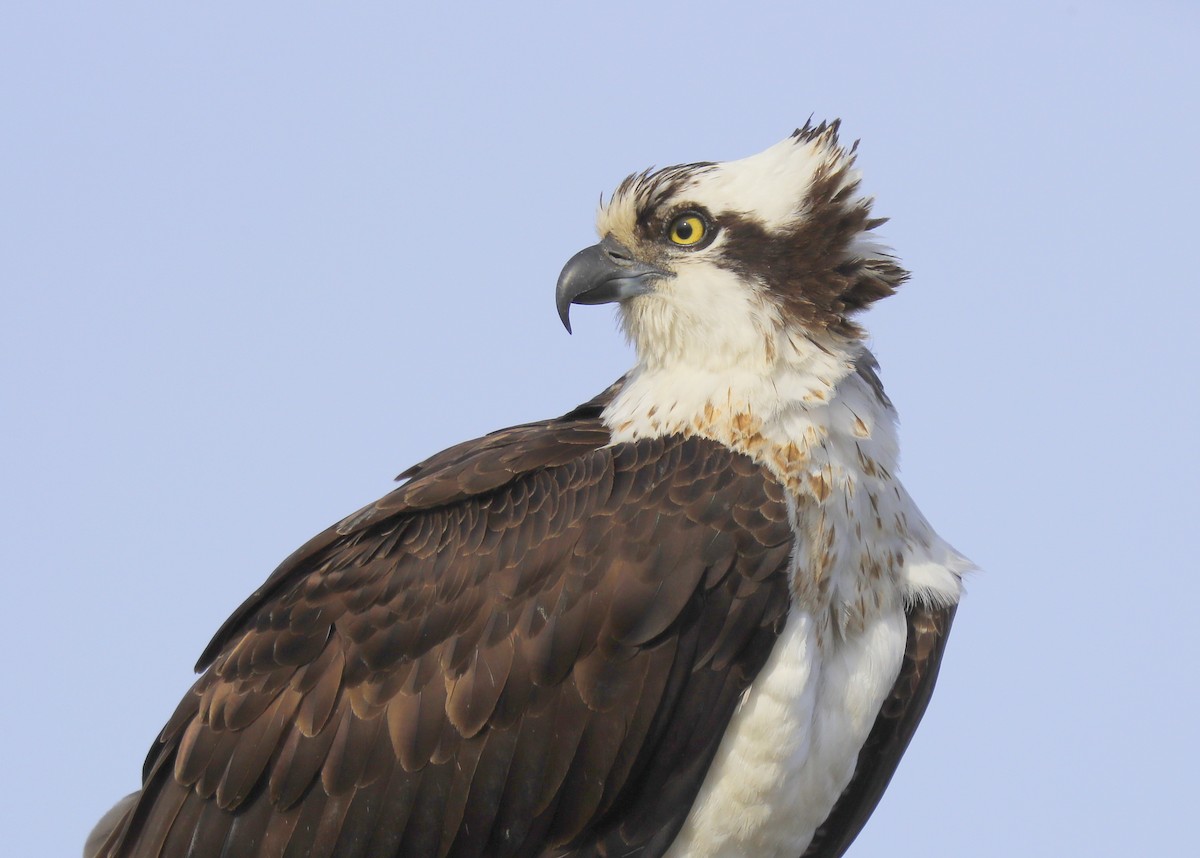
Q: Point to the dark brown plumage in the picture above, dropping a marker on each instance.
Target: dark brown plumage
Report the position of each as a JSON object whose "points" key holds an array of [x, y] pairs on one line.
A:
{"points": [[426, 678]]}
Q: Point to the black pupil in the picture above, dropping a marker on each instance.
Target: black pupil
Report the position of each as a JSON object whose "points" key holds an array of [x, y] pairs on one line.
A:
{"points": [[684, 229]]}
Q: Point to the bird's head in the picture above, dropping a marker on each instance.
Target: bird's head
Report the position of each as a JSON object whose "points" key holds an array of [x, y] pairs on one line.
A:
{"points": [[721, 262]]}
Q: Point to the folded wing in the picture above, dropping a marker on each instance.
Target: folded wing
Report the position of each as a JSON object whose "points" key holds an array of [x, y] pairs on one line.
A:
{"points": [[531, 648]]}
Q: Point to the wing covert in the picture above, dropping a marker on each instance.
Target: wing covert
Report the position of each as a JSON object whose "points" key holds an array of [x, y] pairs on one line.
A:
{"points": [[493, 660]]}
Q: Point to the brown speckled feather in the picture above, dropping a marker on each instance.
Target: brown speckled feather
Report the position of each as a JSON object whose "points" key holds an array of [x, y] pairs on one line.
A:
{"points": [[928, 630], [494, 659]]}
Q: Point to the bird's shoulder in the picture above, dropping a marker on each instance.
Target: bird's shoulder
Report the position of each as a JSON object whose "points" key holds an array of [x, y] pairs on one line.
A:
{"points": [[468, 471]]}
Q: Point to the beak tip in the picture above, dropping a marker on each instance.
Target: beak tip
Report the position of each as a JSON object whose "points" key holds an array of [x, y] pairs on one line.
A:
{"points": [[564, 315]]}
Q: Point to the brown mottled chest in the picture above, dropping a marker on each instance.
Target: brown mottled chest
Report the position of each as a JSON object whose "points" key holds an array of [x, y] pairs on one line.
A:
{"points": [[851, 529]]}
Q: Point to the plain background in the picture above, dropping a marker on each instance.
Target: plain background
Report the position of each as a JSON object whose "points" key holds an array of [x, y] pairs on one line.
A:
{"points": [[257, 258]]}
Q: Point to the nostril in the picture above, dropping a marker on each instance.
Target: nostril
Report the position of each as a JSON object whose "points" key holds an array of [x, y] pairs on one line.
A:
{"points": [[618, 254]]}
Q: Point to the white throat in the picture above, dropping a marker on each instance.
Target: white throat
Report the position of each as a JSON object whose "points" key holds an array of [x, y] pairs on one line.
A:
{"points": [[775, 401]]}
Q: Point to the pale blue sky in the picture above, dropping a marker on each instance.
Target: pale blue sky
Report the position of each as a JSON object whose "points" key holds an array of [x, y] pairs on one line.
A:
{"points": [[258, 258]]}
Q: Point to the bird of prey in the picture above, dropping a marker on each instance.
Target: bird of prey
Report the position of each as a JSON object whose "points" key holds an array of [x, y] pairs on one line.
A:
{"points": [[698, 615]]}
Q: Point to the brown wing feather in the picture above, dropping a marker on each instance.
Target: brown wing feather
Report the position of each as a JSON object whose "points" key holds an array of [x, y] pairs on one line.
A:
{"points": [[492, 660], [928, 630]]}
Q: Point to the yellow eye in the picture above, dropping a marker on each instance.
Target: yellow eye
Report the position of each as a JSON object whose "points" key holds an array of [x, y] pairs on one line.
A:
{"points": [[687, 230]]}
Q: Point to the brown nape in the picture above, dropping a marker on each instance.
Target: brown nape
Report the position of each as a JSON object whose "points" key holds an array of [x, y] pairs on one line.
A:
{"points": [[809, 268]]}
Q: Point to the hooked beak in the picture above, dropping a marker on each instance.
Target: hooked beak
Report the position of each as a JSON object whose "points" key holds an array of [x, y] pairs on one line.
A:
{"points": [[601, 274]]}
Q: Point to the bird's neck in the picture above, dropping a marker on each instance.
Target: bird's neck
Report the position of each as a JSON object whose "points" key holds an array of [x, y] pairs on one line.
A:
{"points": [[780, 408]]}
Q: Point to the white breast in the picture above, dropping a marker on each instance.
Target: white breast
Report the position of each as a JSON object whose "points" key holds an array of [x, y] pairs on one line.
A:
{"points": [[791, 747]]}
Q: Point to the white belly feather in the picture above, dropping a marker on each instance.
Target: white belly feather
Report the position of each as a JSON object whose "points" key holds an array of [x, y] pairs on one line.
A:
{"points": [[791, 747]]}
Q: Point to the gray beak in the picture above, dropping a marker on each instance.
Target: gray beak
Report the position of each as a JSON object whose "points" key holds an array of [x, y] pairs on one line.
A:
{"points": [[601, 274]]}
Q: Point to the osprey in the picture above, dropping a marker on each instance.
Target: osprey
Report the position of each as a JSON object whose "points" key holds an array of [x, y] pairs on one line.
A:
{"points": [[696, 616]]}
